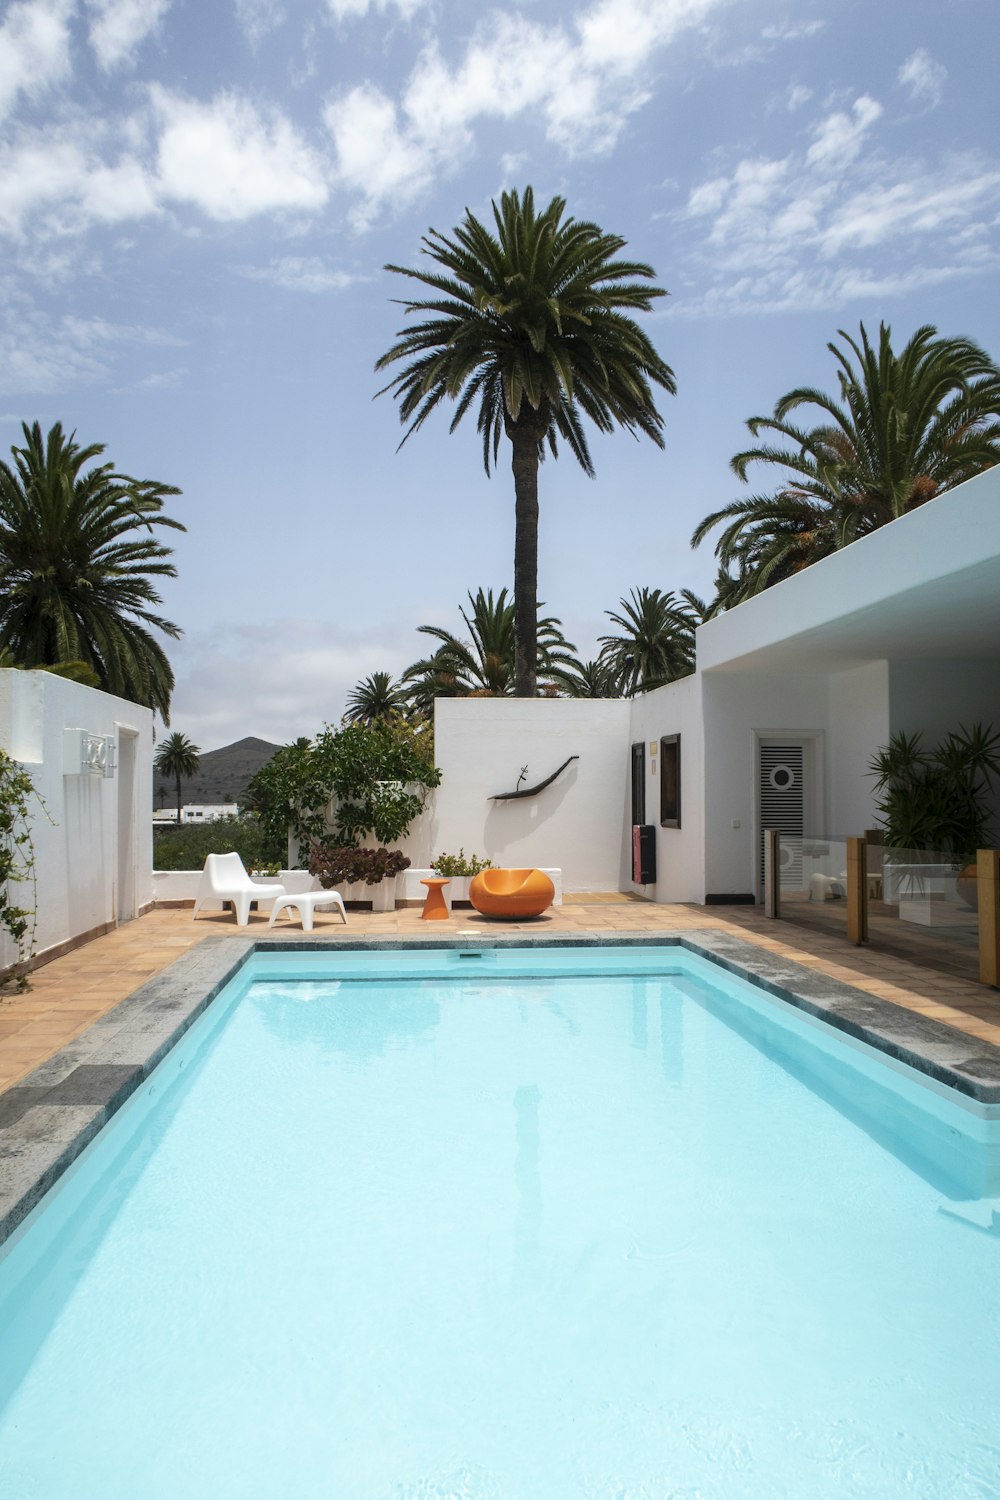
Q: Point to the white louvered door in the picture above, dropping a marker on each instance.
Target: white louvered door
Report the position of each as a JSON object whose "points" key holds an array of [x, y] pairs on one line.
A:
{"points": [[782, 805]]}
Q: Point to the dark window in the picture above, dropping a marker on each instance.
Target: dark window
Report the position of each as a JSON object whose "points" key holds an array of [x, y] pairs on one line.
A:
{"points": [[639, 782], [670, 781]]}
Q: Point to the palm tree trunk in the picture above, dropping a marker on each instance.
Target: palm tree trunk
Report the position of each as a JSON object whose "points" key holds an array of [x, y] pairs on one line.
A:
{"points": [[524, 438], [178, 800]]}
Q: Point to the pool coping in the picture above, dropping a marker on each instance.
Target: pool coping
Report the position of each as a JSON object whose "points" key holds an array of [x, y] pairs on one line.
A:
{"points": [[48, 1118]]}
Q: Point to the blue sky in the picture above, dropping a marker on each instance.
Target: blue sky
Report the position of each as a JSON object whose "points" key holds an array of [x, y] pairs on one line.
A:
{"points": [[197, 198]]}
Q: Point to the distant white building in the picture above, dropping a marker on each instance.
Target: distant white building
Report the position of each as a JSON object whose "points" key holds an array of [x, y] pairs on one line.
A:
{"points": [[195, 812]]}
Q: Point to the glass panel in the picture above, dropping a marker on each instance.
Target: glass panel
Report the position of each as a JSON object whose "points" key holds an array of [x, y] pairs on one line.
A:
{"points": [[813, 874]]}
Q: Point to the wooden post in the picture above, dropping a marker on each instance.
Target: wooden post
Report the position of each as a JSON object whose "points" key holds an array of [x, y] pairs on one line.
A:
{"points": [[857, 891], [988, 871], [772, 873]]}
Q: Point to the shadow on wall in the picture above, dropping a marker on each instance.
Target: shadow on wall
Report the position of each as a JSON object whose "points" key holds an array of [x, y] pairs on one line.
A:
{"points": [[508, 822]]}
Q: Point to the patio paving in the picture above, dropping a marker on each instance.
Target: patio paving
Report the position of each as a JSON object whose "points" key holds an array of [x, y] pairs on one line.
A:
{"points": [[72, 992]]}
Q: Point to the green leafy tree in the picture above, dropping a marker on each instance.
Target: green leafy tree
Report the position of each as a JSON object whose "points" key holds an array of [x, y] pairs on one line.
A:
{"points": [[484, 663], [655, 643], [375, 697], [906, 427], [179, 759], [77, 556], [375, 776], [528, 326]]}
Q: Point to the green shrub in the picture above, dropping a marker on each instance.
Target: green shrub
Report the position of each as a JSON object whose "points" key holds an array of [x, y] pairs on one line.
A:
{"points": [[186, 847], [457, 865]]}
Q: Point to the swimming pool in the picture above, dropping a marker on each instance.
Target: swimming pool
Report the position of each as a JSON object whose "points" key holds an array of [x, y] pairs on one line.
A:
{"points": [[514, 1224]]}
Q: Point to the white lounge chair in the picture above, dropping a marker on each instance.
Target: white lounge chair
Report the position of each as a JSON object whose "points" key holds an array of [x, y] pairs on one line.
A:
{"points": [[224, 878]]}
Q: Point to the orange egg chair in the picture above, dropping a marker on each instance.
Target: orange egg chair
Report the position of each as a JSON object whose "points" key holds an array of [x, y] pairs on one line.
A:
{"points": [[511, 893]]}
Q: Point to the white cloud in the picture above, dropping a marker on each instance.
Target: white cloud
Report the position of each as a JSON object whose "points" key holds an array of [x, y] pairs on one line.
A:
{"points": [[923, 77], [792, 31], [232, 160], [259, 17], [63, 180], [837, 220], [213, 667], [376, 158], [798, 95], [119, 27], [839, 137], [301, 273], [582, 82], [34, 49], [340, 10], [40, 354]]}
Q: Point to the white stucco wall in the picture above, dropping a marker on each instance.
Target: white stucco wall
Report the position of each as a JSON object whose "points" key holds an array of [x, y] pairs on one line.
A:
{"points": [[739, 706], [680, 857], [94, 860], [577, 824], [859, 724], [937, 696]]}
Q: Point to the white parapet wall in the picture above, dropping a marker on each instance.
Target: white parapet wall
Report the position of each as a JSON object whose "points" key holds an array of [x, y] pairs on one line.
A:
{"points": [[90, 756], [171, 886]]}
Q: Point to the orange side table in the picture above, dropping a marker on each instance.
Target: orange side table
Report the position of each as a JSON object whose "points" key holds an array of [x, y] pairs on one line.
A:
{"points": [[435, 906]]}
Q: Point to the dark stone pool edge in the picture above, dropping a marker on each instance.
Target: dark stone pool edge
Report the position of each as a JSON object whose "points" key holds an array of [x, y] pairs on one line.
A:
{"points": [[48, 1118]]}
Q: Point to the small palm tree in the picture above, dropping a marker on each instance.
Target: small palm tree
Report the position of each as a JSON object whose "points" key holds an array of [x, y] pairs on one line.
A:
{"points": [[907, 426], [77, 554], [527, 326], [656, 642], [177, 757], [375, 697], [485, 663]]}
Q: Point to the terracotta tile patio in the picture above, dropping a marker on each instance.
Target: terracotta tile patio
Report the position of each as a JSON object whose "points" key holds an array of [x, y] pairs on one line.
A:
{"points": [[70, 993]]}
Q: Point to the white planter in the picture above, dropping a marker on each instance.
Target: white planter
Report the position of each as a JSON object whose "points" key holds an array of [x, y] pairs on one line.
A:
{"points": [[383, 895], [457, 889]]}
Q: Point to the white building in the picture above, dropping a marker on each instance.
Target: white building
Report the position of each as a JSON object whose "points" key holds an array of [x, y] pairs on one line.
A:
{"points": [[794, 692], [90, 757]]}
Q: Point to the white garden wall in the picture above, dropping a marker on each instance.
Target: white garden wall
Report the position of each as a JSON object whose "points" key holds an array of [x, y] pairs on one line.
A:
{"points": [[576, 824], [94, 859]]}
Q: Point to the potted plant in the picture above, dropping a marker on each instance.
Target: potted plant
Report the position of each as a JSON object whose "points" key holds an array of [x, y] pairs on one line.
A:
{"points": [[338, 867], [939, 800], [459, 868]]}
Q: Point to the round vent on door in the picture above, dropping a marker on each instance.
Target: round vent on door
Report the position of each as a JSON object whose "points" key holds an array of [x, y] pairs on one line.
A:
{"points": [[781, 777]]}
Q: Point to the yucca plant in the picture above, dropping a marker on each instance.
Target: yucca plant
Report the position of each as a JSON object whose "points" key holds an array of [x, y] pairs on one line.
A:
{"points": [[940, 799]]}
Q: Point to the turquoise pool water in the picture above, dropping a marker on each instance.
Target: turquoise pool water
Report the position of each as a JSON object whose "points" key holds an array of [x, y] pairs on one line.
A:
{"points": [[469, 1235]]}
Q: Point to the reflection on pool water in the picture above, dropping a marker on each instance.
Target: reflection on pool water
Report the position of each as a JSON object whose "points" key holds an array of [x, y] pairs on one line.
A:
{"points": [[636, 1236]]}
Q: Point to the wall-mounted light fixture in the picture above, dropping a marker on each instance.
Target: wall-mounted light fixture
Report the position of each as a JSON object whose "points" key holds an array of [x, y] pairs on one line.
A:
{"points": [[86, 754]]}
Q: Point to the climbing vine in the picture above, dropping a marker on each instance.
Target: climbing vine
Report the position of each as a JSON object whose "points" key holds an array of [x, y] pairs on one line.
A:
{"points": [[17, 861]]}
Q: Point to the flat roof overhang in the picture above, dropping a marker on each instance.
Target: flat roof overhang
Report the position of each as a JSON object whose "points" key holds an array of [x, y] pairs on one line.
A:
{"points": [[926, 586]]}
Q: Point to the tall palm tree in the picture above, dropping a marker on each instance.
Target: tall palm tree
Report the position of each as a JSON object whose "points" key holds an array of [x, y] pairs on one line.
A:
{"points": [[527, 326], [375, 697], [906, 427], [484, 663], [177, 757], [656, 641], [77, 555]]}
